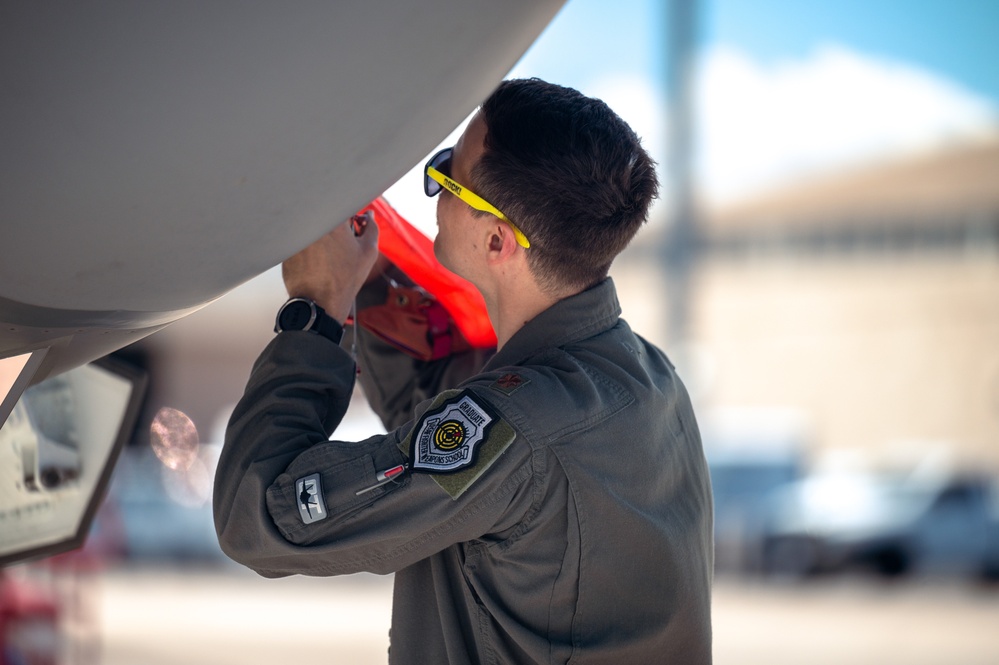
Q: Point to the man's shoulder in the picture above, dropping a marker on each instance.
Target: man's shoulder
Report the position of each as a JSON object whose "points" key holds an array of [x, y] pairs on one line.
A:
{"points": [[556, 395]]}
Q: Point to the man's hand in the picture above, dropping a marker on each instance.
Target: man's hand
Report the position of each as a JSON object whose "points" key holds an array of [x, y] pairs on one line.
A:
{"points": [[332, 270]]}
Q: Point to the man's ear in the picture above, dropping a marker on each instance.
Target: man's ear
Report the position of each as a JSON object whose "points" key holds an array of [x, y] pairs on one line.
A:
{"points": [[502, 243]]}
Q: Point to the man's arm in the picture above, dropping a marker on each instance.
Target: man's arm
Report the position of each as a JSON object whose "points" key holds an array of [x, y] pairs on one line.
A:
{"points": [[288, 501], [297, 394], [294, 388]]}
